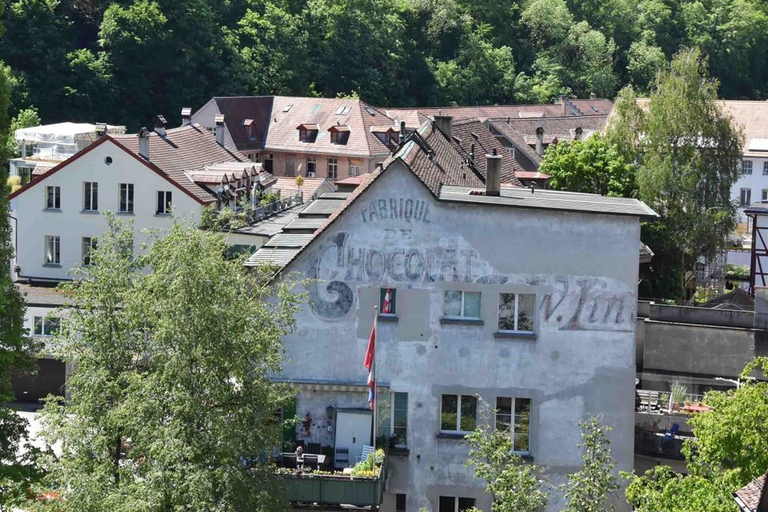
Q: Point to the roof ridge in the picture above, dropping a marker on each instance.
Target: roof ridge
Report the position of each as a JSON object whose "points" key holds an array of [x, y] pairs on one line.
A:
{"points": [[362, 119]]}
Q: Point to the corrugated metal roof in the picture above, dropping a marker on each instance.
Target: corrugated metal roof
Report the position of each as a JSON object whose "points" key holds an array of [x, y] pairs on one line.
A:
{"points": [[272, 255], [322, 206], [301, 224], [551, 200], [288, 240]]}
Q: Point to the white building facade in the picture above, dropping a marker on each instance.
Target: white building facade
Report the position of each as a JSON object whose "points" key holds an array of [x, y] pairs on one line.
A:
{"points": [[523, 302]]}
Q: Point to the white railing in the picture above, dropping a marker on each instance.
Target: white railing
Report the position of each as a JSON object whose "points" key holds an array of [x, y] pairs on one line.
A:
{"points": [[275, 207], [659, 401]]}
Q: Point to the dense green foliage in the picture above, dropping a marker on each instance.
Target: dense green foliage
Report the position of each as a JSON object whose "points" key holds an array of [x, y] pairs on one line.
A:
{"points": [[171, 407], [123, 61], [730, 448], [591, 166], [687, 153], [591, 488]]}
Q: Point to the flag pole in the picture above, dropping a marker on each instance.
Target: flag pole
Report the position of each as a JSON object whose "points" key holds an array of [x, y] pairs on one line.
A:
{"points": [[373, 371]]}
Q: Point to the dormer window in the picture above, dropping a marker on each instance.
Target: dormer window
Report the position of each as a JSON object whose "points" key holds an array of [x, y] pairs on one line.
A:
{"points": [[250, 128], [308, 132], [339, 134]]}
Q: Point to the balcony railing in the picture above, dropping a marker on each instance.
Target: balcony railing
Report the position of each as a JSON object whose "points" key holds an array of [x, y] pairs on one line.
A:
{"points": [[275, 207], [335, 489], [658, 444]]}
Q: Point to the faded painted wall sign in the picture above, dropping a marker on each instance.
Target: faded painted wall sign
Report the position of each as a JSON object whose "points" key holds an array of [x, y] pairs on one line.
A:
{"points": [[396, 208], [574, 304]]}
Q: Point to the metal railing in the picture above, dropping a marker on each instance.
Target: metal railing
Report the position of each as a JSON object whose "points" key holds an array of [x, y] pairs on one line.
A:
{"points": [[657, 444], [284, 203], [658, 401]]}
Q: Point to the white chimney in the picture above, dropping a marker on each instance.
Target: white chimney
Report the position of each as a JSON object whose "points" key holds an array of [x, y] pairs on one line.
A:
{"points": [[160, 124], [445, 125], [493, 174], [219, 129], [186, 116], [540, 141], [564, 103], [579, 133], [144, 142]]}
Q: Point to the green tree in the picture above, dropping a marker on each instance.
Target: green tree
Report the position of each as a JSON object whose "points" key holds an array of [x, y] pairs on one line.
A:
{"points": [[24, 119], [171, 404], [688, 154], [588, 489], [728, 450], [515, 485], [591, 165]]}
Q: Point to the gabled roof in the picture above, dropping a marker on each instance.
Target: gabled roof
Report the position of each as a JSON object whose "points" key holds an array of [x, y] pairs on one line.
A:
{"points": [[237, 109], [310, 187], [531, 160], [560, 128], [573, 107], [467, 132], [753, 497], [187, 148]]}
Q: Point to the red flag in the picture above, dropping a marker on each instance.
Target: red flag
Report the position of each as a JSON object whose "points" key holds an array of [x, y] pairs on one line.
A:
{"points": [[386, 306], [368, 363]]}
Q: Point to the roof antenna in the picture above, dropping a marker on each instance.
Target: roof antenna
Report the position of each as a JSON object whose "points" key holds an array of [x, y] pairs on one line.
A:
{"points": [[533, 187]]}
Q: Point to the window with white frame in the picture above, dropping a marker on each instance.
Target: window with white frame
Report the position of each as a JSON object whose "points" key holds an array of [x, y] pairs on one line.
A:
{"points": [[458, 413], [311, 167], [52, 198], [745, 198], [333, 168], [164, 198], [455, 504], [765, 168], [354, 170], [89, 245], [746, 167], [765, 195], [52, 250], [459, 304], [90, 196], [514, 414], [126, 198], [516, 312], [393, 417], [511, 152], [46, 325], [388, 301]]}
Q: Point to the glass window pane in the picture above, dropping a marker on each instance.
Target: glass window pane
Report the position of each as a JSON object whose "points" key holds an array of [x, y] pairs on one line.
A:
{"points": [[506, 311], [51, 326], [38, 325], [522, 425], [472, 304], [466, 503], [452, 303], [447, 504], [503, 413], [387, 301], [401, 401], [448, 412], [525, 311], [468, 413], [384, 404]]}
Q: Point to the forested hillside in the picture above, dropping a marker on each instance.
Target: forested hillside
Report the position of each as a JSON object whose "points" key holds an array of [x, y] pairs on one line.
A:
{"points": [[124, 61]]}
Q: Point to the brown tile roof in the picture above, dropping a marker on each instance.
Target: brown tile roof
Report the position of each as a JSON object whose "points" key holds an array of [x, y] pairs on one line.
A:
{"points": [[573, 107], [753, 497], [287, 186], [526, 157], [187, 148], [562, 128], [412, 117], [473, 131], [237, 109], [43, 295], [289, 112]]}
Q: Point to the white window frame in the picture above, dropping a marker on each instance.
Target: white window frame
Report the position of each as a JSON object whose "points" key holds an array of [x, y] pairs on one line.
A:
{"points": [[90, 196], [354, 170], [463, 313], [311, 160], [88, 244], [393, 302], [748, 195], [511, 151], [458, 413], [42, 321], [167, 199], [746, 167], [55, 242], [127, 190], [516, 313], [765, 195], [333, 163], [513, 423], [765, 168], [56, 197]]}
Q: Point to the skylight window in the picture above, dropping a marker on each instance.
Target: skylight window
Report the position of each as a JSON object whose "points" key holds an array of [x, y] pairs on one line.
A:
{"points": [[317, 108], [370, 111], [343, 110], [288, 107]]}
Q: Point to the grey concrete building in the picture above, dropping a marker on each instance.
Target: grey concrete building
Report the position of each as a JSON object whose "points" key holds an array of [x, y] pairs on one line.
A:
{"points": [[523, 300]]}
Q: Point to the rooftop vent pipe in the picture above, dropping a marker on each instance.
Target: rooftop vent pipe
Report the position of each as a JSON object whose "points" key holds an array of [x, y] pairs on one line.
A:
{"points": [[493, 174]]}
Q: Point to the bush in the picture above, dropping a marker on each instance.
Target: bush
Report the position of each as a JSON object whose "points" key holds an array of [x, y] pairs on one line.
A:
{"points": [[369, 465], [14, 183]]}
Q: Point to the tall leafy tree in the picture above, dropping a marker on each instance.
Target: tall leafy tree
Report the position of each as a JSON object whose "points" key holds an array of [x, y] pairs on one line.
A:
{"points": [[688, 153], [171, 406], [590, 488]]}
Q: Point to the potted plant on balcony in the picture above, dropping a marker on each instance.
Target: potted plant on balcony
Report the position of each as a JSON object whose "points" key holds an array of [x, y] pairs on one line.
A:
{"points": [[678, 395]]}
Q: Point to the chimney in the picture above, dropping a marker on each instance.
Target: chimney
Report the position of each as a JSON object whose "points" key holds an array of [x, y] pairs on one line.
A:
{"points": [[144, 142], [401, 138], [564, 103], [160, 124], [540, 141], [101, 130], [445, 125], [186, 116], [579, 133], [493, 174], [472, 152], [592, 96], [219, 129]]}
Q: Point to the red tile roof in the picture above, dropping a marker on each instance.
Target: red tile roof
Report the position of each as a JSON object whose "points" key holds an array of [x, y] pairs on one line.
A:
{"points": [[238, 109], [187, 148], [473, 131], [288, 187], [753, 497]]}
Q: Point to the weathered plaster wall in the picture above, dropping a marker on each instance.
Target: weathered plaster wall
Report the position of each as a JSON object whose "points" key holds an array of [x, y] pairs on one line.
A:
{"points": [[582, 268]]}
